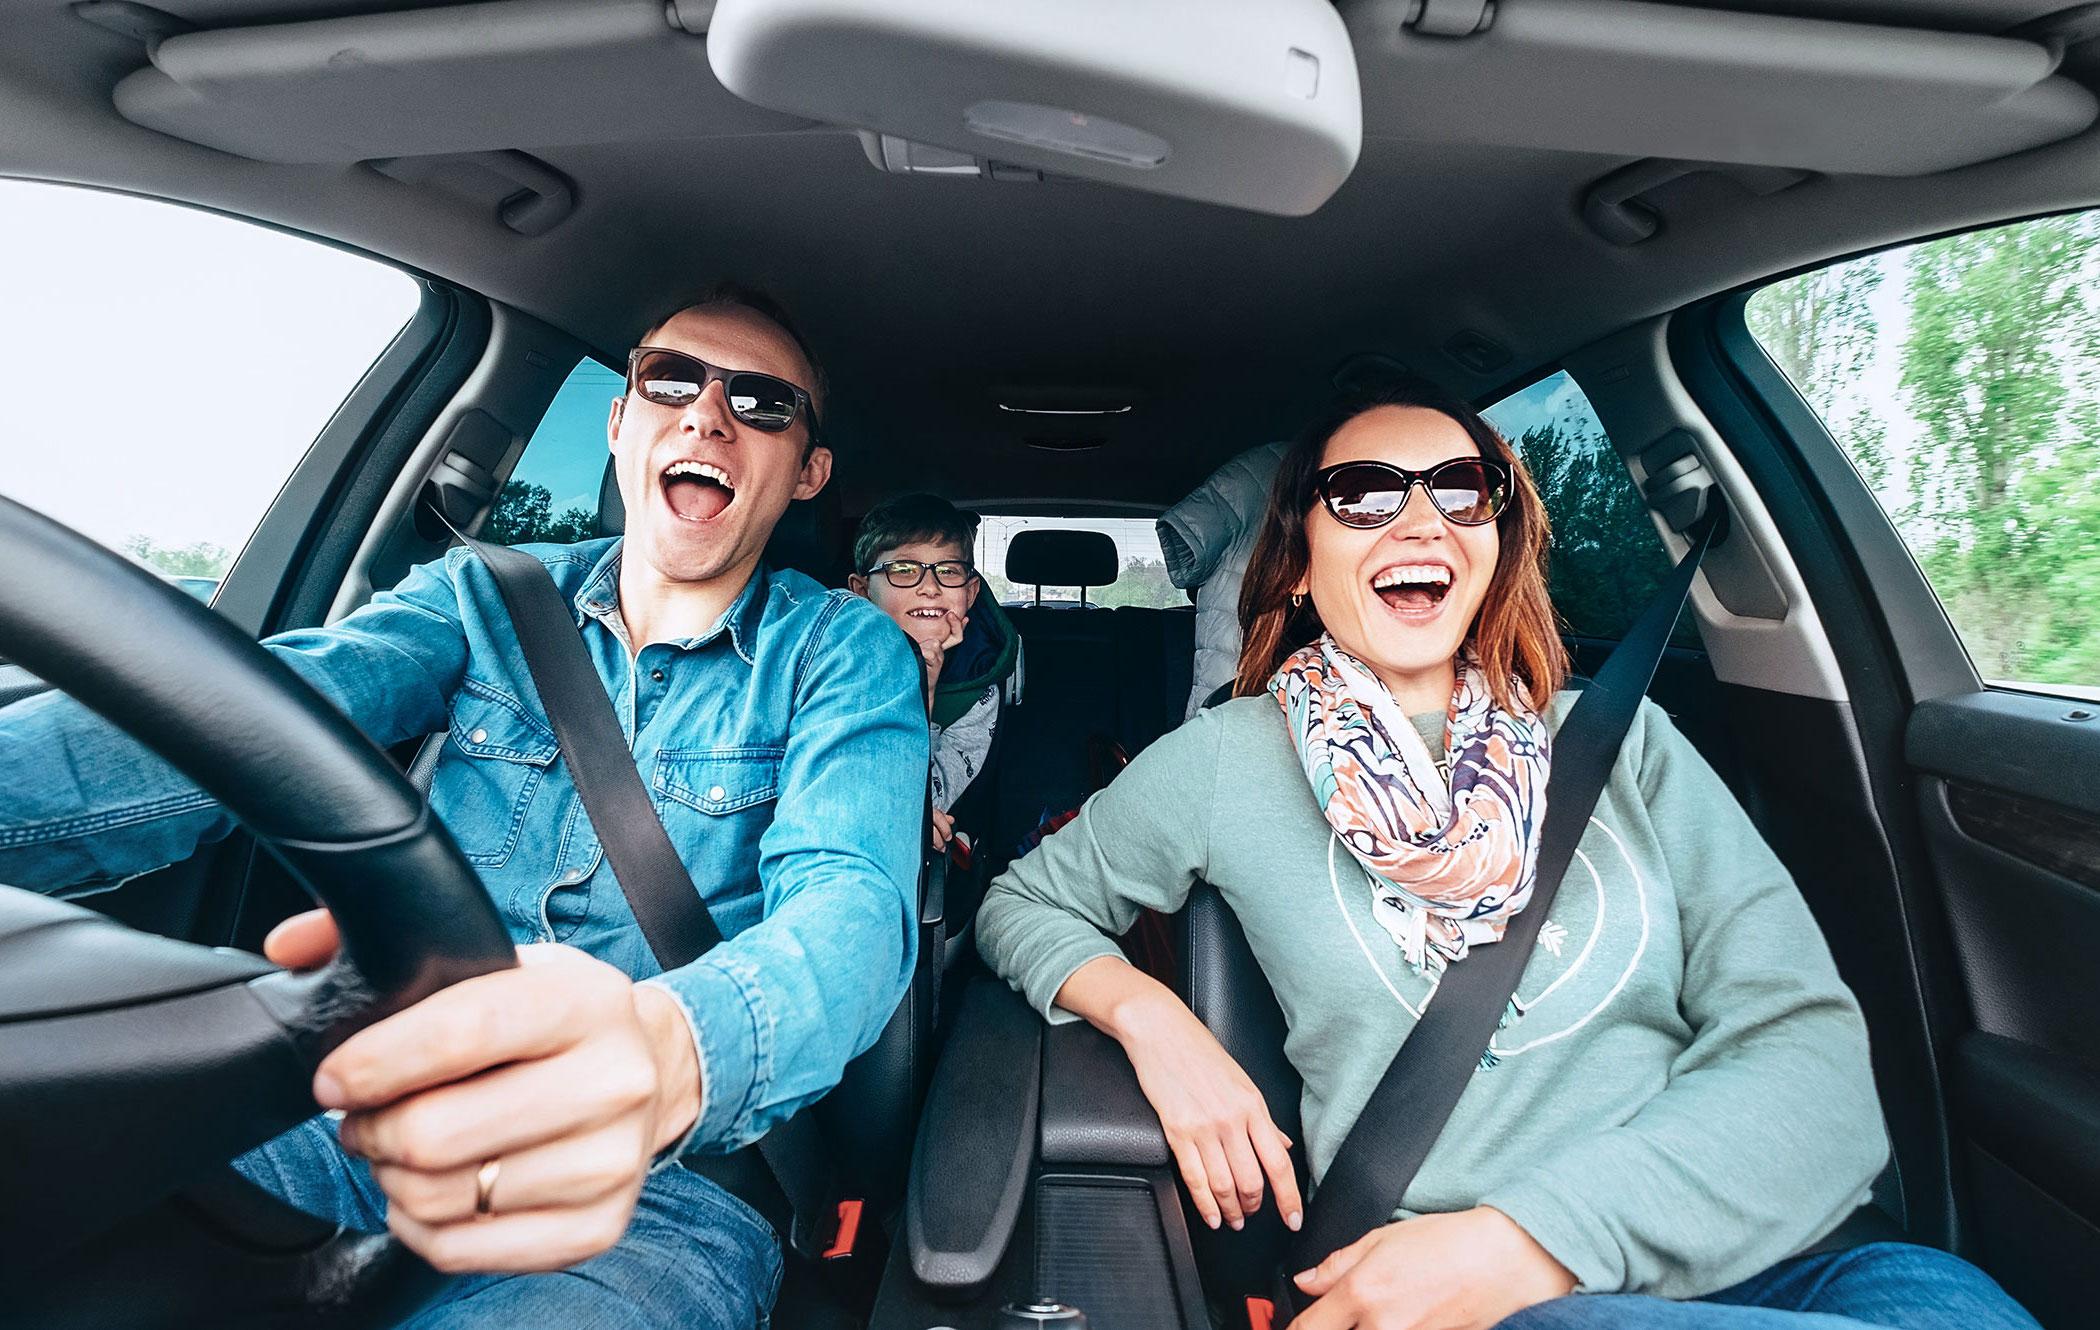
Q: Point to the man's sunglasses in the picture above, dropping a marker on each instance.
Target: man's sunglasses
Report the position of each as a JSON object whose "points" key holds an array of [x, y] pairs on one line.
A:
{"points": [[906, 573], [675, 379], [1471, 491]]}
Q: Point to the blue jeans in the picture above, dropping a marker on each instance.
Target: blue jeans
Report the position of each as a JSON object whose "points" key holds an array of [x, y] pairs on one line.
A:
{"points": [[694, 1257], [1881, 1284]]}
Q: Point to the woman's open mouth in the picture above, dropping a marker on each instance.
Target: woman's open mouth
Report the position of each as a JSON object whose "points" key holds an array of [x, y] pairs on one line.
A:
{"points": [[697, 491], [1413, 590]]}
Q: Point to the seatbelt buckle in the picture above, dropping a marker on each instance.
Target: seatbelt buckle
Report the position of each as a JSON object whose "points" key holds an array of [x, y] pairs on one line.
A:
{"points": [[1261, 1314], [845, 1230]]}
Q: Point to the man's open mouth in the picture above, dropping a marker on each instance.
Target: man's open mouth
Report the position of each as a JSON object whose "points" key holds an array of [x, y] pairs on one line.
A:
{"points": [[1415, 588], [697, 491], [927, 612]]}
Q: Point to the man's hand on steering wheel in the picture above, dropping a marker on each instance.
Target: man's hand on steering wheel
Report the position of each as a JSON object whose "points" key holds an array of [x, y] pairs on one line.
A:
{"points": [[510, 1118]]}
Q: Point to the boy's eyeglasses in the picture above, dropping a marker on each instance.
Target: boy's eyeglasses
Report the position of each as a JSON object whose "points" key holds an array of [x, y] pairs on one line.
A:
{"points": [[1471, 491], [675, 379], [906, 573]]}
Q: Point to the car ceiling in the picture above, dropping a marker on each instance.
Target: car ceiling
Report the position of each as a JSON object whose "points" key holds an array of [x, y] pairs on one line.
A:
{"points": [[931, 299]]}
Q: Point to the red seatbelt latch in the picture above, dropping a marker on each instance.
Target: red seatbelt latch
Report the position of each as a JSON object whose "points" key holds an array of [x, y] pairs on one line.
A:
{"points": [[1261, 1314], [848, 1231]]}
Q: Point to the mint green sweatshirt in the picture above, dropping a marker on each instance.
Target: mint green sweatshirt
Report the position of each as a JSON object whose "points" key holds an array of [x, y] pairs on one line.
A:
{"points": [[1685, 1097]]}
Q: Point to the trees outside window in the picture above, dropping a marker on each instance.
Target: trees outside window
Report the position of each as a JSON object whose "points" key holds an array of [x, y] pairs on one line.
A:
{"points": [[1962, 376]]}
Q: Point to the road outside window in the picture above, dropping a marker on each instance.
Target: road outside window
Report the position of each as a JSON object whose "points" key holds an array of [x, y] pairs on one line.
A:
{"points": [[163, 369], [1962, 376]]}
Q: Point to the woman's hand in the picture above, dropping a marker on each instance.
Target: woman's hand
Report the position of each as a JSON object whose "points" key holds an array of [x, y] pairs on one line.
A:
{"points": [[943, 829], [564, 1070], [1463, 1271], [1216, 1122]]}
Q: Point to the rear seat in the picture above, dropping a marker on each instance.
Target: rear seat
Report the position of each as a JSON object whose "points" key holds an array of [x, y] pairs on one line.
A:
{"points": [[1161, 646], [1090, 678], [1070, 684]]}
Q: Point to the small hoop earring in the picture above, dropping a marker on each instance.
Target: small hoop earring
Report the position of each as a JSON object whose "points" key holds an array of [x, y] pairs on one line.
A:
{"points": [[1297, 600]]}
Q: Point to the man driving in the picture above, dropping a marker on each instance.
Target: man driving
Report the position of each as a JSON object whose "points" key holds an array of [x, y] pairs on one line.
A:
{"points": [[527, 1125]]}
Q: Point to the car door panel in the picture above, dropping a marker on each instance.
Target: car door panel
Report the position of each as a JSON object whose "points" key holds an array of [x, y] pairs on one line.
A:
{"points": [[2032, 1163], [2010, 802], [1989, 802]]}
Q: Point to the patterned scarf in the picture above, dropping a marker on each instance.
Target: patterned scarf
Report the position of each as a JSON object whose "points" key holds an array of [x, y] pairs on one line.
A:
{"points": [[1450, 861]]}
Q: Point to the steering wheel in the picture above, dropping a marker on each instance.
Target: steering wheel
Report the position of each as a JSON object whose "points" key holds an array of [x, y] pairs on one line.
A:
{"points": [[133, 1067]]}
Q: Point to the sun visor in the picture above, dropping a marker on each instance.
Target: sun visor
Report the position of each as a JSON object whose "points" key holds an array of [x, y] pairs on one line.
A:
{"points": [[1632, 79], [465, 78], [1249, 103]]}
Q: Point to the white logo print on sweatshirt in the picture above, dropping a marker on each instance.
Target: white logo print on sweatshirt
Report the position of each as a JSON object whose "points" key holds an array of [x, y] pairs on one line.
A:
{"points": [[1587, 953]]}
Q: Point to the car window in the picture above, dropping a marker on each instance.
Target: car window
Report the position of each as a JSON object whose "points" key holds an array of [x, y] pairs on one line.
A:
{"points": [[552, 493], [1605, 560], [1141, 581], [1962, 377], [164, 369]]}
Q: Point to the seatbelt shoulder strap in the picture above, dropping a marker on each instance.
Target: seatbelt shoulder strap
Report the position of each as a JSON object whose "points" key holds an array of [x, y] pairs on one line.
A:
{"points": [[666, 904]]}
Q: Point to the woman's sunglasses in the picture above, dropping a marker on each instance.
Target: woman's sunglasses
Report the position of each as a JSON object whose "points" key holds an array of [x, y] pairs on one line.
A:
{"points": [[1471, 491], [675, 379]]}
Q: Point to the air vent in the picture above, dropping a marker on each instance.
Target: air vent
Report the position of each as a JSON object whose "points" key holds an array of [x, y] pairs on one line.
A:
{"points": [[1080, 444], [1066, 401], [1122, 409]]}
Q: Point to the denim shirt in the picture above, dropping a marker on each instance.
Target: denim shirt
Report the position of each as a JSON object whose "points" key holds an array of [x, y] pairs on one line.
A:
{"points": [[785, 749]]}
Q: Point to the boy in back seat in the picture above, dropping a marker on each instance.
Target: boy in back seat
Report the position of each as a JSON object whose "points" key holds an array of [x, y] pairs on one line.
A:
{"points": [[911, 557]]}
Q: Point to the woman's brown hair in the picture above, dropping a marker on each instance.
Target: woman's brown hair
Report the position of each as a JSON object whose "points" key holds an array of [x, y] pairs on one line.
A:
{"points": [[1515, 635]]}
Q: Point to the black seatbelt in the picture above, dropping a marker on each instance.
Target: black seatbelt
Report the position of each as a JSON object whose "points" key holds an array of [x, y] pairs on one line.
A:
{"points": [[1414, 1099], [670, 909]]}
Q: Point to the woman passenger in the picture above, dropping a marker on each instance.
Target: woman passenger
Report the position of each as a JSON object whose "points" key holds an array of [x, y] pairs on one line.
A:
{"points": [[1679, 1098]]}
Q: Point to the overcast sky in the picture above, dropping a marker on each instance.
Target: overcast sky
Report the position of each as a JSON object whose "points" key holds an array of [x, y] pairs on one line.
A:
{"points": [[163, 369]]}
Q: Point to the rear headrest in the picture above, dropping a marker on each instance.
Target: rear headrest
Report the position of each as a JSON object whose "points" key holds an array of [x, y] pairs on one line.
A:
{"points": [[1061, 558], [805, 539]]}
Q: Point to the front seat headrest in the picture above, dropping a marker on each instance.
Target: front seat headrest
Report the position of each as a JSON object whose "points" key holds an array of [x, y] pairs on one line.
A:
{"points": [[804, 540], [612, 509], [1062, 558]]}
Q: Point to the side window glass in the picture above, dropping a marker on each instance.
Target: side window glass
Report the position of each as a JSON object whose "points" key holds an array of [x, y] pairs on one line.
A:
{"points": [[1962, 377], [1606, 560], [163, 370], [552, 494]]}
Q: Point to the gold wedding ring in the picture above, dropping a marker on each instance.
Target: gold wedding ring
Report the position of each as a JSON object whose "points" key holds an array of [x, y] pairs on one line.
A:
{"points": [[485, 1186]]}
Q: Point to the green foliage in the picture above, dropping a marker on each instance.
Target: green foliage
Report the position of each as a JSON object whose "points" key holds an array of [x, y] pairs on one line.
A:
{"points": [[524, 515], [1996, 370], [1605, 561], [1820, 329], [203, 559], [1996, 354], [1142, 582]]}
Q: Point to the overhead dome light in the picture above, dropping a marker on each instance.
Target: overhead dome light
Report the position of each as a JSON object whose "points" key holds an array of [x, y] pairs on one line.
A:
{"points": [[1073, 133], [1247, 103]]}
